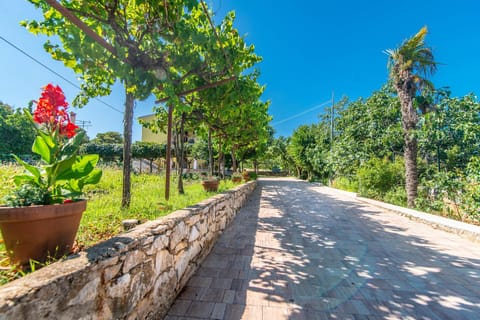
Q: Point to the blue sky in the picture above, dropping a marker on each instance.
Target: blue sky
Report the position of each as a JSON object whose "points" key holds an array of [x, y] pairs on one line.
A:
{"points": [[310, 48]]}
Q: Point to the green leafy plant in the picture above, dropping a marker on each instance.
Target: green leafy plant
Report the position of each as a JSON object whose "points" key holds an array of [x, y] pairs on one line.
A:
{"points": [[61, 174], [209, 178], [378, 176]]}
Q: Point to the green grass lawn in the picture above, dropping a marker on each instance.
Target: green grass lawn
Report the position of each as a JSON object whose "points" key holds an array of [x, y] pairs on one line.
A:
{"points": [[103, 216]]}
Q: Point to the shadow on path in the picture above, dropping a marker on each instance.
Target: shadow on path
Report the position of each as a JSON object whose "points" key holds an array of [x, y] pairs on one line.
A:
{"points": [[299, 251]]}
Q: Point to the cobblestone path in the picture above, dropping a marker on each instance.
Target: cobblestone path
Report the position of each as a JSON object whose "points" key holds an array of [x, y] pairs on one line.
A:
{"points": [[302, 251]]}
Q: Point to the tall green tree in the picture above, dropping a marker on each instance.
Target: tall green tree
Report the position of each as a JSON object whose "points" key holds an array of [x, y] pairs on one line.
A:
{"points": [[366, 128], [143, 44], [108, 137], [302, 141], [211, 56], [409, 65], [16, 131], [450, 135]]}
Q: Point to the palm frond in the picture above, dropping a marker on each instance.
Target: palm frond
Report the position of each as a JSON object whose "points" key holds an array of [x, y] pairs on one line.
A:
{"points": [[412, 55]]}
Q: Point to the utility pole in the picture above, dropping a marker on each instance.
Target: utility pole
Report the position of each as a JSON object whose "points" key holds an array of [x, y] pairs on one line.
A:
{"points": [[84, 123], [332, 115]]}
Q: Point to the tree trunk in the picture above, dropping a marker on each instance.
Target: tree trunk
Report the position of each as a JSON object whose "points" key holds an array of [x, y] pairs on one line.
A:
{"points": [[127, 148], [234, 160], [210, 153], [179, 146], [168, 155], [221, 162], [411, 175], [406, 93]]}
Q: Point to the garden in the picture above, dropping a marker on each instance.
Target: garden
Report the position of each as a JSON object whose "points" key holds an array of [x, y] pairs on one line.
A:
{"points": [[103, 218], [203, 78]]}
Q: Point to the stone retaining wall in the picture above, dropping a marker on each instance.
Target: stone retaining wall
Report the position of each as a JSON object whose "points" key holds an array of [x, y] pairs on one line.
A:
{"points": [[136, 275]]}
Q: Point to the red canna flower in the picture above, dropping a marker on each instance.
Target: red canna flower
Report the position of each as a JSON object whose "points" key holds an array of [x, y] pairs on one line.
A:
{"points": [[52, 112], [68, 130]]}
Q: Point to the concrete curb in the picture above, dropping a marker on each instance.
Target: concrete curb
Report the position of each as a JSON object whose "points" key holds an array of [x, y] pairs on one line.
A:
{"points": [[462, 229]]}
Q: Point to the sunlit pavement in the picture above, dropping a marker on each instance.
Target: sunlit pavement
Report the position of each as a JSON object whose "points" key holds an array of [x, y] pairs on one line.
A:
{"points": [[301, 251]]}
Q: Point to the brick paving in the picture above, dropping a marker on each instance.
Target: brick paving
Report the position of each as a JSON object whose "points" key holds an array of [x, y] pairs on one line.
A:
{"points": [[301, 251]]}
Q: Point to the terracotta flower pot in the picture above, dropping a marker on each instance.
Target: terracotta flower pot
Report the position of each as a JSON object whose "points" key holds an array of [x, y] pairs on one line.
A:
{"points": [[39, 232], [210, 185], [236, 179]]}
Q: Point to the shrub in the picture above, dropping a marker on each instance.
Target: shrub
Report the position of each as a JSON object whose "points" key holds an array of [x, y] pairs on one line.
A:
{"points": [[377, 176], [397, 196], [107, 152], [471, 198], [345, 183], [454, 193]]}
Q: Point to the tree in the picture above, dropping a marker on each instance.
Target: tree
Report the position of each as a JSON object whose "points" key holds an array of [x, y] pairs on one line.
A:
{"points": [[144, 44], [409, 66], [16, 131], [222, 53], [280, 149], [364, 129], [448, 136], [108, 152], [302, 140], [223, 108], [108, 137]]}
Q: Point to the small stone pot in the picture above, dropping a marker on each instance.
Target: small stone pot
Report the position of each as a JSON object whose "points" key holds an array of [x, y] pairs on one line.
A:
{"points": [[210, 185], [40, 232]]}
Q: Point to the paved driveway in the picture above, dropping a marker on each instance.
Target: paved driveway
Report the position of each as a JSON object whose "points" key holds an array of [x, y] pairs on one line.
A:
{"points": [[301, 251]]}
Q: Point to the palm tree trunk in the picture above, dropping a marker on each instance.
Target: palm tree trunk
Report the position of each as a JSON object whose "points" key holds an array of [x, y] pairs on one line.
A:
{"points": [[411, 174], [406, 94]]}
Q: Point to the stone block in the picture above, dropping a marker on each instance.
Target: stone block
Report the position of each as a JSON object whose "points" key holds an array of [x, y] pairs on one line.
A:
{"points": [[194, 234], [180, 247], [160, 229], [180, 263], [193, 219], [87, 294], [160, 243], [202, 227], [111, 272], [133, 259], [179, 233], [163, 261], [119, 287]]}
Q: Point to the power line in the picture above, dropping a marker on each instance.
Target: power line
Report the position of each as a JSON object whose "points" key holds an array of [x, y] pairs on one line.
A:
{"points": [[302, 113], [56, 73]]}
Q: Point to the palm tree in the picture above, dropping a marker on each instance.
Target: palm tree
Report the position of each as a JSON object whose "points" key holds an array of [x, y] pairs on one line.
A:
{"points": [[409, 66]]}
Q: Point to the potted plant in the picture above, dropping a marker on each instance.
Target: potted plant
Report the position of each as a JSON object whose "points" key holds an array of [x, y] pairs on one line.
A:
{"points": [[43, 213], [236, 177], [210, 183], [246, 175]]}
